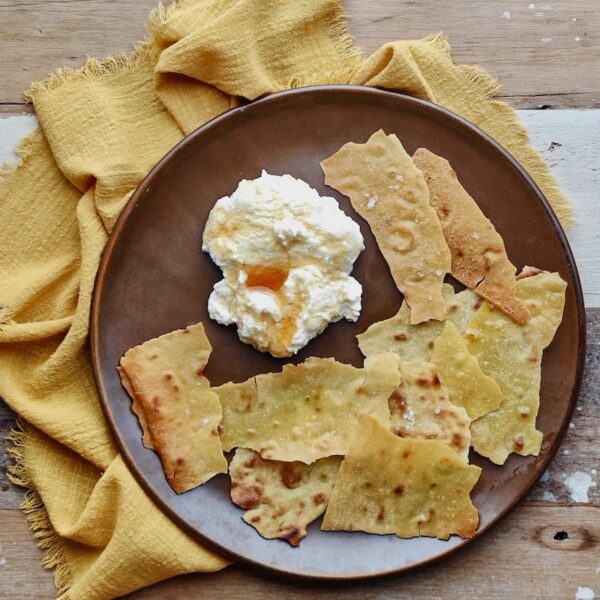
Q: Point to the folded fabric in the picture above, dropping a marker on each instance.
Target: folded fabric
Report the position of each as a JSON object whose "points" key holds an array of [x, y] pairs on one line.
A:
{"points": [[101, 129]]}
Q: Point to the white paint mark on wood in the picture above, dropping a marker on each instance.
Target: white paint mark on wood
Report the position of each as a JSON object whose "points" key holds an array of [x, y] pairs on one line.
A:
{"points": [[546, 40], [12, 129], [506, 15], [585, 593], [576, 164], [531, 6], [578, 484]]}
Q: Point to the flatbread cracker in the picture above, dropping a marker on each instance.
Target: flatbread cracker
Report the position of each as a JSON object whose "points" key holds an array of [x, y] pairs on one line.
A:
{"points": [[136, 409], [281, 498], [479, 258], [180, 413], [307, 411], [512, 355], [420, 409], [415, 342], [390, 193], [387, 484], [467, 385]]}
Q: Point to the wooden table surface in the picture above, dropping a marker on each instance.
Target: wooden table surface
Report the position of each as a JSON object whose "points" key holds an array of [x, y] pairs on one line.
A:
{"points": [[547, 56]]}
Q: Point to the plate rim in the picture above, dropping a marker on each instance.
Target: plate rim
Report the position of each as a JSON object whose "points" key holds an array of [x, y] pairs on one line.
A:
{"points": [[94, 330]]}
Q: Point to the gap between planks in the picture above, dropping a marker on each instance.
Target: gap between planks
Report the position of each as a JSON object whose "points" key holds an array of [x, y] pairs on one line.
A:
{"points": [[547, 55]]}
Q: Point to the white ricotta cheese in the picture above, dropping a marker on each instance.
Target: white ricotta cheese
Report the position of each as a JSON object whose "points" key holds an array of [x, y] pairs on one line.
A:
{"points": [[286, 254]]}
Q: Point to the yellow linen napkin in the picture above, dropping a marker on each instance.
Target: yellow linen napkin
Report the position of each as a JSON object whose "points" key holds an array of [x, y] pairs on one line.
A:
{"points": [[101, 129]]}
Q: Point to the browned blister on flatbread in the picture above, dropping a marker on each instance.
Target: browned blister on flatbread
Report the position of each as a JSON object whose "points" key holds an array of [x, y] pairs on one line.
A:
{"points": [[479, 258], [390, 193], [308, 411], [415, 342], [181, 414], [408, 487], [512, 355], [420, 409], [281, 498]]}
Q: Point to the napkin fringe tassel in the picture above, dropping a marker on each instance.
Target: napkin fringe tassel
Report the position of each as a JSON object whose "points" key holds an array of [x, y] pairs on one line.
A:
{"points": [[93, 67], [43, 532]]}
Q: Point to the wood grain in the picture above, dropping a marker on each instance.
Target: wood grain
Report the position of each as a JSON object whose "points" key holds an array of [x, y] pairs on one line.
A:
{"points": [[537, 553], [547, 56]]}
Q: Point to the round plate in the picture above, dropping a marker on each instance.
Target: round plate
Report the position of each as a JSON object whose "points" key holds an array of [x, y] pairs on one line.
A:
{"points": [[154, 278]]}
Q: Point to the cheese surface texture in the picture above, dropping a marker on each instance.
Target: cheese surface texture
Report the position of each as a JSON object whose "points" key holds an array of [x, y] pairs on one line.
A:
{"points": [[286, 254]]}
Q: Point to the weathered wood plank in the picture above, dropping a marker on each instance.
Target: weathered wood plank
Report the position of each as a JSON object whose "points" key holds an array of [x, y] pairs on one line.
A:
{"points": [[570, 142], [537, 553], [21, 573], [548, 55]]}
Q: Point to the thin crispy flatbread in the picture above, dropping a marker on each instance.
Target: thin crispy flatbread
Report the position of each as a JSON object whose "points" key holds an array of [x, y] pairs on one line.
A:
{"points": [[467, 385], [281, 498], [415, 342], [136, 409], [479, 258], [180, 413], [512, 355], [420, 409], [408, 487], [307, 411], [390, 193]]}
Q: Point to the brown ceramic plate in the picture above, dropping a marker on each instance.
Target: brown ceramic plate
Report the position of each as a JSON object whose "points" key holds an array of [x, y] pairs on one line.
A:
{"points": [[154, 278]]}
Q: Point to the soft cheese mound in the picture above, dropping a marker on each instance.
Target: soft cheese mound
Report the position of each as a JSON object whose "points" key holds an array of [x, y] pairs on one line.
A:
{"points": [[286, 254]]}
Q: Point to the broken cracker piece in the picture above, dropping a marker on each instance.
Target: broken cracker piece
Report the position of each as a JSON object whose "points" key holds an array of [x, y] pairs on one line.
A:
{"points": [[281, 498], [468, 386], [420, 409], [389, 192], [308, 411], [415, 342], [479, 258], [387, 484], [512, 355], [181, 414]]}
